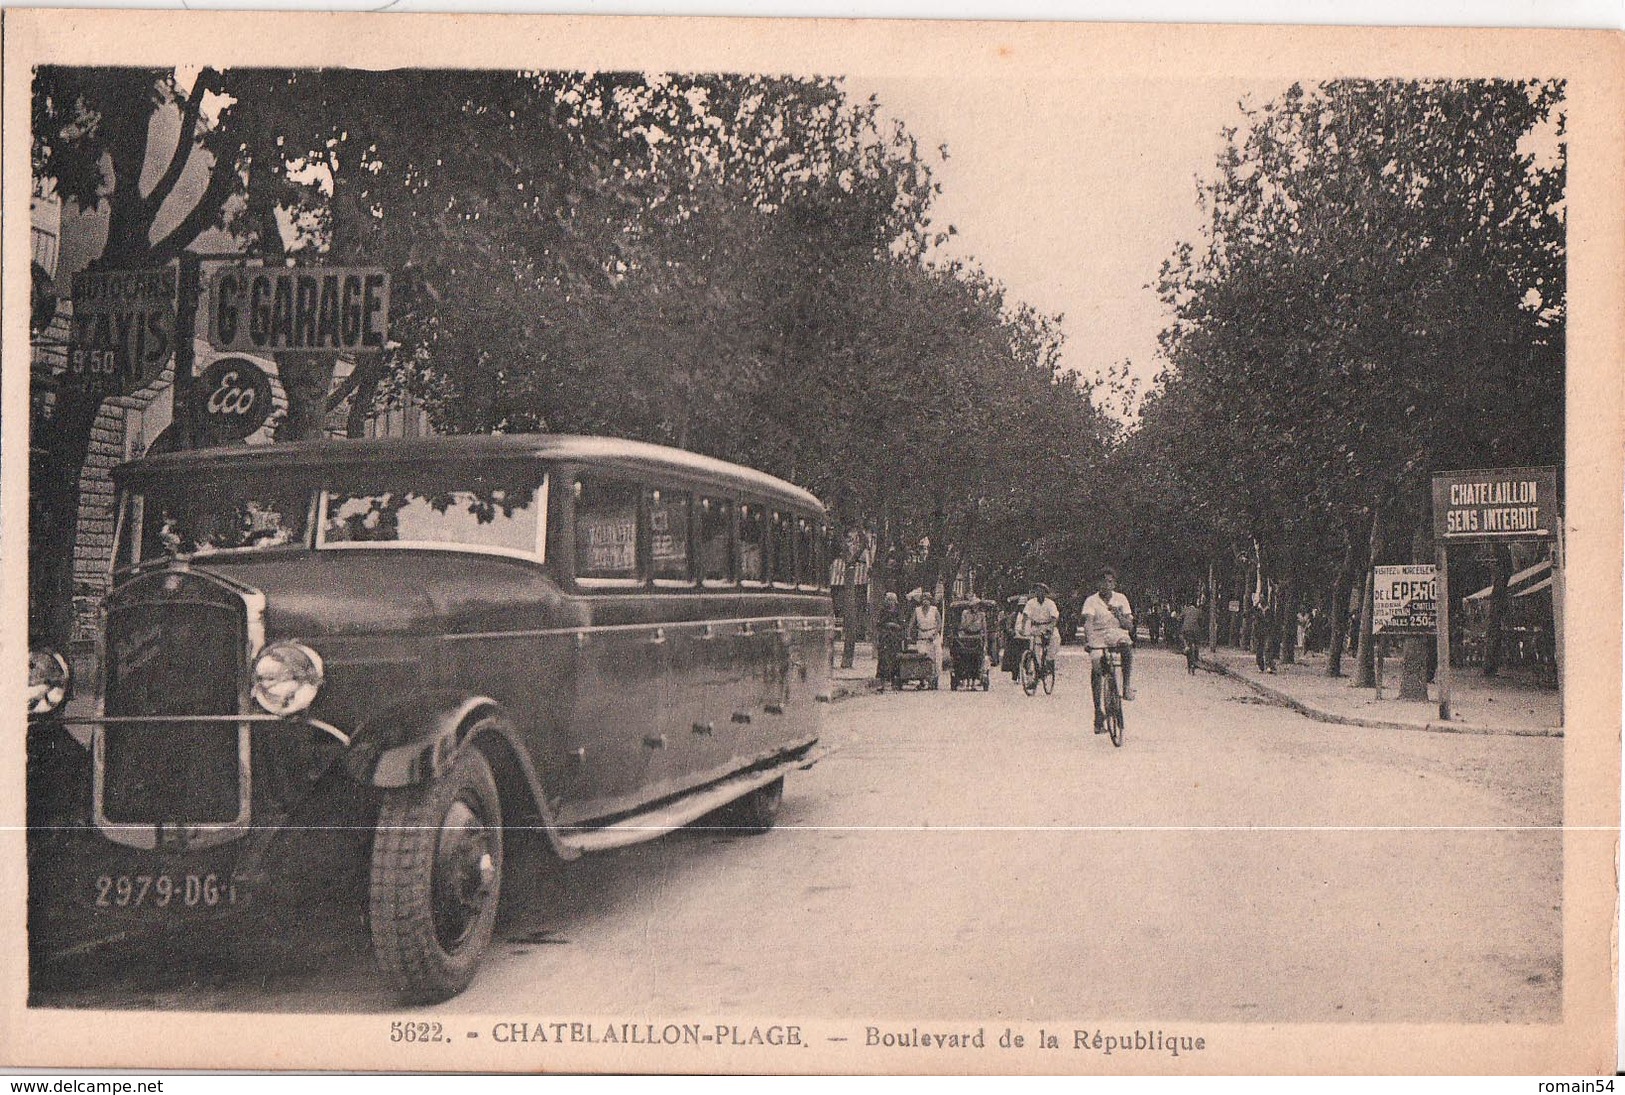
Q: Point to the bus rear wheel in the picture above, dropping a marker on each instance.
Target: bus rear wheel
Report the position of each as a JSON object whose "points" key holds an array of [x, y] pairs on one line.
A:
{"points": [[757, 811]]}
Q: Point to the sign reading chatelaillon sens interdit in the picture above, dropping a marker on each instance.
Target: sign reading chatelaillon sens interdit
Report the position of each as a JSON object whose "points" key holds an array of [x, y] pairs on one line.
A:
{"points": [[1495, 504]]}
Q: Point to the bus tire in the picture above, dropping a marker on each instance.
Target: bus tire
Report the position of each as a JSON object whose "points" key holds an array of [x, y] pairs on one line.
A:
{"points": [[757, 811], [437, 879]]}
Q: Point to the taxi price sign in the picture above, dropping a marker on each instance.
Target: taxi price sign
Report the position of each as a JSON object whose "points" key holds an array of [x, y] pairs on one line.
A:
{"points": [[1404, 599], [123, 326]]}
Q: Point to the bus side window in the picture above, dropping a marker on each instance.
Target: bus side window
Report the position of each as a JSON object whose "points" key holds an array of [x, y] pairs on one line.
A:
{"points": [[752, 543], [716, 541], [784, 549], [806, 552], [606, 527], [668, 536]]}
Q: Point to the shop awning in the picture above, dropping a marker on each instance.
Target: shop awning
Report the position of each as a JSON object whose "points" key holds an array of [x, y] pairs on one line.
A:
{"points": [[1539, 574], [1544, 583]]}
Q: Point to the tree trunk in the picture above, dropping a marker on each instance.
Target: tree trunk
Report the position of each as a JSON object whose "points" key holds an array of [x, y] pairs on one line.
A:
{"points": [[1365, 671], [1212, 608], [366, 389], [1238, 620], [54, 526], [306, 379], [1339, 608], [1496, 624], [1413, 683], [1287, 625]]}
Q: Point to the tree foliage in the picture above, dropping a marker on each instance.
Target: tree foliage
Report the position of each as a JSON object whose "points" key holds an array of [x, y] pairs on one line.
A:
{"points": [[1379, 296], [733, 264]]}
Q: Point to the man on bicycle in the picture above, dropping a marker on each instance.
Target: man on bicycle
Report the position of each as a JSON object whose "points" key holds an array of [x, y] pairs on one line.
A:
{"points": [[1038, 623], [1190, 624], [1107, 622]]}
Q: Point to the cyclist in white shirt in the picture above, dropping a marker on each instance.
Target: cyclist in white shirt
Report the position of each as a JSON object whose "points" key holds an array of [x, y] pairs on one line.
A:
{"points": [[1038, 620], [1107, 620]]}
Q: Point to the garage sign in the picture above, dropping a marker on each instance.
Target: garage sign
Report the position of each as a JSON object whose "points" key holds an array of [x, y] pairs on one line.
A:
{"points": [[311, 309]]}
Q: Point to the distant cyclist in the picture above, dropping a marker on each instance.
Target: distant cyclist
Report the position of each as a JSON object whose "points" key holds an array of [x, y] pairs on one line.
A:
{"points": [[1038, 622], [1107, 621], [1190, 631]]}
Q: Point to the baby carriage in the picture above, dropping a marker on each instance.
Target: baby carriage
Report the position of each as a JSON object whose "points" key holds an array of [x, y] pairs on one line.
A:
{"points": [[914, 667], [969, 648]]}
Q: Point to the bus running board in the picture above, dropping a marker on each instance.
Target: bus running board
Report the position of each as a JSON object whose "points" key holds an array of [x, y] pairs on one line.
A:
{"points": [[674, 815]]}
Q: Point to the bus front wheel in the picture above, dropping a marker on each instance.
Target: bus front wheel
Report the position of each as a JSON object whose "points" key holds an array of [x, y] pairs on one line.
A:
{"points": [[436, 880]]}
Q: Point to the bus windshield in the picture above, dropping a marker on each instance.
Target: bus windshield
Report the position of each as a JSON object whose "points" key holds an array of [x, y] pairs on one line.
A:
{"points": [[204, 517]]}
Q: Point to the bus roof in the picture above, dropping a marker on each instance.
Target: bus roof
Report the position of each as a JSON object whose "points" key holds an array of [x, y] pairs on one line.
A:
{"points": [[608, 452]]}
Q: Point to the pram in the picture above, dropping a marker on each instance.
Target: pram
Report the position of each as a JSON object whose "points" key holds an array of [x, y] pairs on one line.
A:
{"points": [[969, 650], [914, 667]]}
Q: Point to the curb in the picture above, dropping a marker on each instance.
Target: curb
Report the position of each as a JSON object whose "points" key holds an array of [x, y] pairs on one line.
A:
{"points": [[1282, 699], [850, 688]]}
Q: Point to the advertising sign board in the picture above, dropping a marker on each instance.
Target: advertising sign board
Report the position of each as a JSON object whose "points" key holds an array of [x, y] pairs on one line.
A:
{"points": [[1404, 599], [313, 309], [233, 399], [123, 326]]}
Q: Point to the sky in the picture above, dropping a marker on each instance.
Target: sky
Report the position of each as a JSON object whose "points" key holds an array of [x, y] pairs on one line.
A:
{"points": [[1079, 221]]}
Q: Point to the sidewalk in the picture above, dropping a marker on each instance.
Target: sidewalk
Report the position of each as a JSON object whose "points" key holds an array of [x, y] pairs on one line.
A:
{"points": [[857, 681], [1479, 705]]}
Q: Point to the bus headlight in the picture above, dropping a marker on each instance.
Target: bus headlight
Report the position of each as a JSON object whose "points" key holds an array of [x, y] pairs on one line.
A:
{"points": [[287, 676], [49, 678]]}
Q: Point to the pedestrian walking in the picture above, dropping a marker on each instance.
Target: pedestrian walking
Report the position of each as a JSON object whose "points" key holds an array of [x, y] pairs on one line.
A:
{"points": [[841, 594], [926, 631], [888, 637]]}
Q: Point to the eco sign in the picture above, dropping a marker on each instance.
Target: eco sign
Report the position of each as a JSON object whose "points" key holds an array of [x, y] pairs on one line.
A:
{"points": [[329, 309], [233, 399], [1404, 600], [1497, 504]]}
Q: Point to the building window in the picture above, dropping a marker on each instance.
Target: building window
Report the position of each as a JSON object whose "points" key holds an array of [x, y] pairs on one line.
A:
{"points": [[716, 541]]}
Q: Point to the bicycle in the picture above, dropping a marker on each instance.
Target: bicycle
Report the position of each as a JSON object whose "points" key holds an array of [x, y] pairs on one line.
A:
{"points": [[1111, 696], [1032, 674], [1193, 654]]}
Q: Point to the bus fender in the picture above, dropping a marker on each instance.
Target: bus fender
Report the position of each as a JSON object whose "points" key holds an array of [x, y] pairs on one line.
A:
{"points": [[417, 741], [414, 741]]}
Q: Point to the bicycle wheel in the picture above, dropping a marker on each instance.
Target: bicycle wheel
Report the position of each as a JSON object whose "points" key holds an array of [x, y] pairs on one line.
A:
{"points": [[1029, 673], [1112, 701], [1192, 656], [1049, 678]]}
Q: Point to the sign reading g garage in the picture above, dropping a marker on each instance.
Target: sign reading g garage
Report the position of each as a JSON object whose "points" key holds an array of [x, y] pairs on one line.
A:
{"points": [[315, 309], [1496, 504]]}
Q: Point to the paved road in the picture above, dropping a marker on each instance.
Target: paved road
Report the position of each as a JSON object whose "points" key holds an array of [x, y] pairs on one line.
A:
{"points": [[987, 856]]}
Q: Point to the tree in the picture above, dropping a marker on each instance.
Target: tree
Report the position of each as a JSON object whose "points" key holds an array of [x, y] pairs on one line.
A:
{"points": [[94, 131], [1380, 295]]}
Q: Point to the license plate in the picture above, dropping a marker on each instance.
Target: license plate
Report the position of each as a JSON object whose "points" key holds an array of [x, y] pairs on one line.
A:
{"points": [[167, 891]]}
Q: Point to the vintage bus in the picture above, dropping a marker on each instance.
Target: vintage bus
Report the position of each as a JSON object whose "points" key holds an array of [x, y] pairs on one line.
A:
{"points": [[385, 653]]}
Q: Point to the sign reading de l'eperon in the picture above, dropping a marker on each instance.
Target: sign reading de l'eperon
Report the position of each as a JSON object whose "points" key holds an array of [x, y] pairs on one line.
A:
{"points": [[1495, 504]]}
